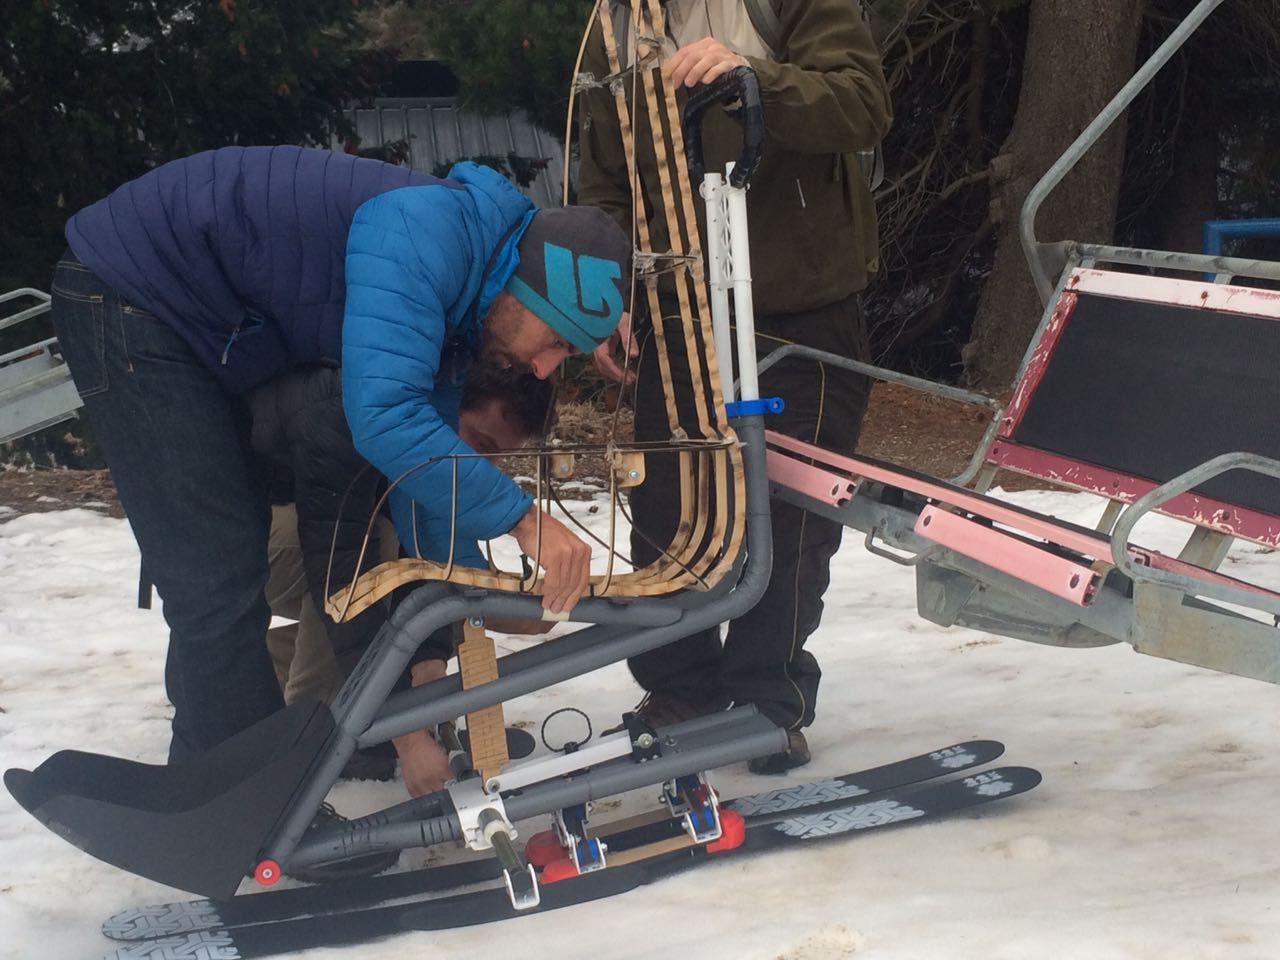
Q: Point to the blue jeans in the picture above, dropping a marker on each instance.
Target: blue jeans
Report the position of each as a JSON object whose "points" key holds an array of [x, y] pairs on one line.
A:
{"points": [[178, 448]]}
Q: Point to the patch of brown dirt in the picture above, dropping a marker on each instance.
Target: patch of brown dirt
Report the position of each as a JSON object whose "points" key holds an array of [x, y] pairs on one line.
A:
{"points": [[41, 490], [903, 426]]}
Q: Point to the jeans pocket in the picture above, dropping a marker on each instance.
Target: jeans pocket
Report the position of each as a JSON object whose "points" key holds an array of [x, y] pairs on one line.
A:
{"points": [[78, 322]]}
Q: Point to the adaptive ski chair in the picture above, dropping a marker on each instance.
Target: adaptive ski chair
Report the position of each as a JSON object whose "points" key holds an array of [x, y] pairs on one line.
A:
{"points": [[247, 807]]}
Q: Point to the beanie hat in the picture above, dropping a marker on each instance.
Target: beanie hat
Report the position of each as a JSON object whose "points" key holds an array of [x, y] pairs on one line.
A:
{"points": [[573, 264]]}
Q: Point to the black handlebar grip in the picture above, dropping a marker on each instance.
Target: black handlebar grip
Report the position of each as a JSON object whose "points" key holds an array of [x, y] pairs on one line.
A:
{"points": [[743, 86]]}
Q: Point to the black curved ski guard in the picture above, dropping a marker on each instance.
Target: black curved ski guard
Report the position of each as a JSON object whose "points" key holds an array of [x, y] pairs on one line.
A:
{"points": [[197, 826], [743, 86]]}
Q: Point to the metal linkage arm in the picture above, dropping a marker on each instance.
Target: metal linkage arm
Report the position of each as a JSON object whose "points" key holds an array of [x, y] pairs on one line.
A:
{"points": [[906, 380], [1163, 494]]}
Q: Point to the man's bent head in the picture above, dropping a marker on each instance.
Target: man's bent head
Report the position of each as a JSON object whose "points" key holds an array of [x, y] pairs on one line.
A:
{"points": [[566, 295], [501, 411]]}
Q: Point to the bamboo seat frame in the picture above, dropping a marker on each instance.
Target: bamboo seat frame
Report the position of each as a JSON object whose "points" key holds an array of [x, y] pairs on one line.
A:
{"points": [[708, 539]]}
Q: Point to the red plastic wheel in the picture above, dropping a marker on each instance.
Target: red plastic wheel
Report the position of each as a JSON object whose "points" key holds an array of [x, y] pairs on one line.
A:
{"points": [[267, 873], [562, 869], [733, 830], [543, 848]]}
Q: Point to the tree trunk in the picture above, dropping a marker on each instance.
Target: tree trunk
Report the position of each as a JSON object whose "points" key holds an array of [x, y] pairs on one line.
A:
{"points": [[1079, 53]]}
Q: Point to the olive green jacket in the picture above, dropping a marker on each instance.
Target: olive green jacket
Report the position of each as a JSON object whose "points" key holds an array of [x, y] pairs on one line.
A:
{"points": [[812, 221]]}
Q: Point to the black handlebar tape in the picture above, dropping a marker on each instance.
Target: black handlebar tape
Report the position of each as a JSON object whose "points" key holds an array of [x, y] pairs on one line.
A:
{"points": [[742, 85]]}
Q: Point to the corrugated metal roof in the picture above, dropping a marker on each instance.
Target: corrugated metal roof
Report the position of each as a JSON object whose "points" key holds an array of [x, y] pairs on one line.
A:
{"points": [[439, 132]]}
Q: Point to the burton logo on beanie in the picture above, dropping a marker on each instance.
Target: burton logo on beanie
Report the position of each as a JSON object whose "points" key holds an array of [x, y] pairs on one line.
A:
{"points": [[570, 273], [584, 288]]}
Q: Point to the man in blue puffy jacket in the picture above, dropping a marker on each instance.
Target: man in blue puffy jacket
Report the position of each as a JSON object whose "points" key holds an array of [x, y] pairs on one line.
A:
{"points": [[210, 275]]}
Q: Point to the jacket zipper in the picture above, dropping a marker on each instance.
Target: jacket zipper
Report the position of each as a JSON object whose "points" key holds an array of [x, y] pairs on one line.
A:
{"points": [[231, 342]]}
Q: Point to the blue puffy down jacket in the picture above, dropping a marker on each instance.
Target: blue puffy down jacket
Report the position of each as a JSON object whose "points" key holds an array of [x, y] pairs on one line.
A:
{"points": [[264, 258]]}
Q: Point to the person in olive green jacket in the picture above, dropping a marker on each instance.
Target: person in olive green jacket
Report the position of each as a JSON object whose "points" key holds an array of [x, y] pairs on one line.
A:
{"points": [[813, 248]]}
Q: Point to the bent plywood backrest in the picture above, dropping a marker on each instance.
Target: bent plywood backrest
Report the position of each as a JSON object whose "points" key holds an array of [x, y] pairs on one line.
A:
{"points": [[708, 539]]}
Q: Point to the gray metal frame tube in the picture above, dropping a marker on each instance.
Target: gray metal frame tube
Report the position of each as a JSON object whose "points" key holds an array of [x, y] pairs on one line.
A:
{"points": [[557, 669], [906, 380], [718, 740], [1031, 248], [1154, 499], [1166, 259]]}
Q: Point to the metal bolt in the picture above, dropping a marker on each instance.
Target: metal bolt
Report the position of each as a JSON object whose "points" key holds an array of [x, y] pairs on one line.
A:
{"points": [[476, 621], [633, 474], [645, 741]]}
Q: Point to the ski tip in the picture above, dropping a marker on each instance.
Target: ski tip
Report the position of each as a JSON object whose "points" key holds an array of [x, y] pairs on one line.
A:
{"points": [[988, 748], [1000, 781]]}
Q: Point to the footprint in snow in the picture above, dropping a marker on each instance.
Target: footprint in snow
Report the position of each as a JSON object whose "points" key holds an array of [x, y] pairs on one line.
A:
{"points": [[830, 943]]}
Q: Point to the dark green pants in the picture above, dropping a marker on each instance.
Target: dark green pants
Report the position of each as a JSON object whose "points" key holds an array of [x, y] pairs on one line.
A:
{"points": [[762, 659]]}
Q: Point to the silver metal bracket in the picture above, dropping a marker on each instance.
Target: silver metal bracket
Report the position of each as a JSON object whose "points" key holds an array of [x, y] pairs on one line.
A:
{"points": [[570, 825], [520, 878], [479, 813], [530, 894], [692, 799]]}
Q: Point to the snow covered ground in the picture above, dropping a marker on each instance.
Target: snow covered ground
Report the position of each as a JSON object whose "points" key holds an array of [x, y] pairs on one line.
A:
{"points": [[1153, 835]]}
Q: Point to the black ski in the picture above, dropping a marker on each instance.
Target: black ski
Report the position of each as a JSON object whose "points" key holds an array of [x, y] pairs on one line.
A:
{"points": [[169, 919], [765, 831]]}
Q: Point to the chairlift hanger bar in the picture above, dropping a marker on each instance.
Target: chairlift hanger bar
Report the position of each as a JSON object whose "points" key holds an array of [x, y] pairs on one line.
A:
{"points": [[1044, 258]]}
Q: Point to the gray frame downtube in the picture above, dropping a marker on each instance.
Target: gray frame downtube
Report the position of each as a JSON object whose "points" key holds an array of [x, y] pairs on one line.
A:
{"points": [[358, 714]]}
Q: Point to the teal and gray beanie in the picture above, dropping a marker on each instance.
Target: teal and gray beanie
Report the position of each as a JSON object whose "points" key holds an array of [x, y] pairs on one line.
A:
{"points": [[575, 263]]}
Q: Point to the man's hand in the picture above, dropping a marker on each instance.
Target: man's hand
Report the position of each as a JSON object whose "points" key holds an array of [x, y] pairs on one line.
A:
{"points": [[605, 356], [703, 61], [565, 559], [423, 763]]}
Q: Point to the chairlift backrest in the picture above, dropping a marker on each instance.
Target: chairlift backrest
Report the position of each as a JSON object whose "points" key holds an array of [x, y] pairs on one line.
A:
{"points": [[1133, 380]]}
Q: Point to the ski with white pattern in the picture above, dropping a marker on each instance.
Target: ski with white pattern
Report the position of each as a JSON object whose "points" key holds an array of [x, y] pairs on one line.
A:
{"points": [[764, 831], [183, 917]]}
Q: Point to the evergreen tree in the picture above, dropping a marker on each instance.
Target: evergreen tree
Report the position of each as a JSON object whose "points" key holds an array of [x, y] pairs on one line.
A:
{"points": [[510, 53], [95, 92]]}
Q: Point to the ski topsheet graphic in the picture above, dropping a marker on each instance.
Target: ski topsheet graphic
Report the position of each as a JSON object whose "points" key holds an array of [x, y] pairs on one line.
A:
{"points": [[160, 920], [358, 911]]}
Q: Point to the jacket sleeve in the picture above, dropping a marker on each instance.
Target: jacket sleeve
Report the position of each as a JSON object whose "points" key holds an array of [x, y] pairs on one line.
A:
{"points": [[428, 537], [408, 256], [830, 95], [602, 172]]}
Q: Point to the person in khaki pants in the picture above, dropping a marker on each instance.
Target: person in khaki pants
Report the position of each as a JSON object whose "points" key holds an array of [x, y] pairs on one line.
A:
{"points": [[498, 411], [300, 651]]}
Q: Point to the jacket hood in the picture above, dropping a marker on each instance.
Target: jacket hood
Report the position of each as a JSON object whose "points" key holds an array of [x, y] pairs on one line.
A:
{"points": [[507, 212]]}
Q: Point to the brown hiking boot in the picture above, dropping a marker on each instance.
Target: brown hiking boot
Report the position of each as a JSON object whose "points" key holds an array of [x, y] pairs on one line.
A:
{"points": [[664, 710], [796, 755]]}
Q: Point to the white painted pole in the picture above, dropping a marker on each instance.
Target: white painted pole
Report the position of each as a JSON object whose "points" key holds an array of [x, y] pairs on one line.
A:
{"points": [[743, 310], [713, 195]]}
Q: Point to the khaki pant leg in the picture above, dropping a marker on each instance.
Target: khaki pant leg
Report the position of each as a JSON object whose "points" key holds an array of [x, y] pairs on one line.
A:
{"points": [[301, 652], [315, 673], [285, 587]]}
